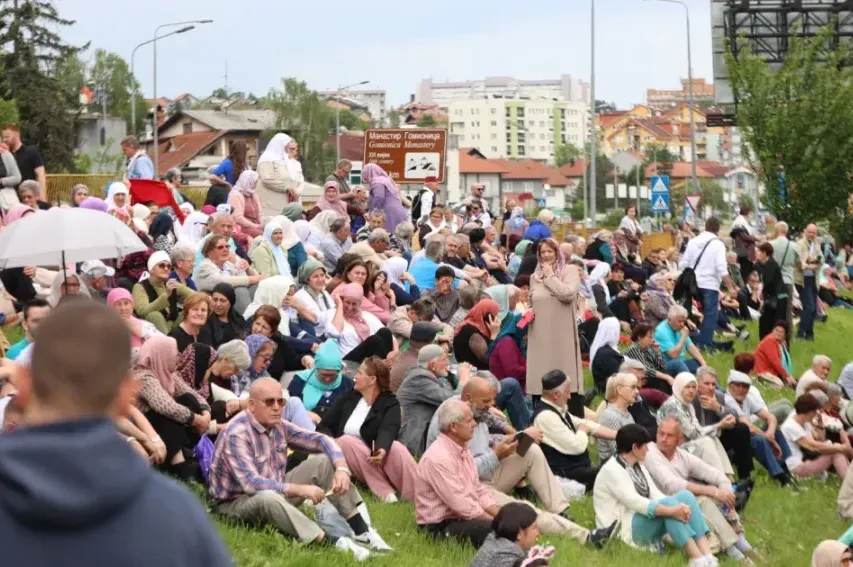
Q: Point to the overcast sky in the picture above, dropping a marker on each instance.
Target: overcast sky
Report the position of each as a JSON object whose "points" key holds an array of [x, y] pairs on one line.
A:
{"points": [[395, 44]]}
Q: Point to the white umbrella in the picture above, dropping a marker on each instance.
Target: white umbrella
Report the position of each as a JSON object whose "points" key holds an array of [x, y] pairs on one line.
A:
{"points": [[60, 236]]}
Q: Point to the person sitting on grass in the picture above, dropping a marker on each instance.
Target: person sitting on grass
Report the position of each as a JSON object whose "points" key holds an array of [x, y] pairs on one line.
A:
{"points": [[98, 489], [673, 469], [35, 311], [320, 386], [802, 434], [121, 301], [772, 360], [817, 374], [646, 350], [513, 537], [673, 336], [624, 493], [248, 480], [156, 298]]}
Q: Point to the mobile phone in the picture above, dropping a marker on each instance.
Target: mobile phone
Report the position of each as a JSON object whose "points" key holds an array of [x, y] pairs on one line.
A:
{"points": [[525, 320], [524, 442]]}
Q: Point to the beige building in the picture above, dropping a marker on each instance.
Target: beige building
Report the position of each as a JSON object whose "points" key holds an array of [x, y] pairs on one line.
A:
{"points": [[665, 99]]}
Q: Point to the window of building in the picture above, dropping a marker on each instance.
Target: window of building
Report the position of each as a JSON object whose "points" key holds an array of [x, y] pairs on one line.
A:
{"points": [[521, 150], [188, 127], [520, 112], [541, 123], [494, 111], [103, 136], [508, 137], [509, 150], [494, 122]]}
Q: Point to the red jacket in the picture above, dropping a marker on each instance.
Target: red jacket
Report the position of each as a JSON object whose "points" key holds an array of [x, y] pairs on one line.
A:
{"points": [[768, 359], [506, 361]]}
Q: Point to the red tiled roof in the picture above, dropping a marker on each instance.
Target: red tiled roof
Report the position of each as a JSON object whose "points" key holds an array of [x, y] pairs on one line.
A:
{"points": [[715, 168], [532, 169], [683, 170], [180, 149], [573, 171], [472, 164]]}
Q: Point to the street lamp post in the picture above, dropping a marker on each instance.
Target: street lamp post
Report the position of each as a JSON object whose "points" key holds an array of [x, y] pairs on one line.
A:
{"points": [[338, 116], [133, 66], [693, 183], [154, 41], [593, 139]]}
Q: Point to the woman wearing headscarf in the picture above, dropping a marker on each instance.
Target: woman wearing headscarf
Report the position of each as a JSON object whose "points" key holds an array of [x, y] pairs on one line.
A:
{"points": [[194, 228], [594, 288], [66, 284], [321, 226], [320, 387], [515, 258], [384, 196], [118, 197], [378, 305], [604, 356], [359, 334], [94, 204], [773, 362], [516, 224], [313, 295], [178, 413], [365, 423], [507, 354], [162, 232], [16, 213], [225, 323], [294, 212], [204, 368], [831, 553], [332, 201], [246, 205], [121, 301], [659, 289], [79, 193], [289, 356], [279, 171], [702, 441], [141, 217], [157, 297], [472, 338], [402, 283], [261, 351], [305, 232], [281, 251]]}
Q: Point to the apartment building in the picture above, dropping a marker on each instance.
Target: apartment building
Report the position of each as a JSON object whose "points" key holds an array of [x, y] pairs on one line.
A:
{"points": [[374, 100], [703, 92], [517, 128], [566, 88]]}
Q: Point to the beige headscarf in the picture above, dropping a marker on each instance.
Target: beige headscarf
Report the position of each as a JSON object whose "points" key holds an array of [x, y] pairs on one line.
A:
{"points": [[828, 554]]}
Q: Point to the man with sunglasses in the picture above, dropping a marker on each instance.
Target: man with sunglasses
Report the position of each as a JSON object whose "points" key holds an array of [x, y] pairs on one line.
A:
{"points": [[248, 480]]}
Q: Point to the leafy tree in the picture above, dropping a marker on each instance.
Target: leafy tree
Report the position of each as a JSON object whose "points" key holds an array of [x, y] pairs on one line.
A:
{"points": [[111, 74], [604, 106], [351, 121], [566, 153], [662, 156], [577, 209], [219, 93], [799, 115], [31, 55], [746, 201], [394, 119], [427, 121], [8, 111]]}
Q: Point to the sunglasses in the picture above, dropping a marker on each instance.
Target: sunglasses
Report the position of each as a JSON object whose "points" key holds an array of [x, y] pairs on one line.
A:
{"points": [[270, 402], [164, 266], [221, 247]]}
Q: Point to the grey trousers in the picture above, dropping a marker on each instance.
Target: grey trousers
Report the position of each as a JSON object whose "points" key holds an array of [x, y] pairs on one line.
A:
{"points": [[270, 507]]}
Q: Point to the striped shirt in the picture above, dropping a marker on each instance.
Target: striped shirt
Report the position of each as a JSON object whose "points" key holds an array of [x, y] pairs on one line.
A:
{"points": [[653, 364], [448, 485], [249, 458]]}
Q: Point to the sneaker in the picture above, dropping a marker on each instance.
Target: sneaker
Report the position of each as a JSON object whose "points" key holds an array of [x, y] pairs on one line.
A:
{"points": [[373, 540], [346, 544], [391, 499], [598, 538]]}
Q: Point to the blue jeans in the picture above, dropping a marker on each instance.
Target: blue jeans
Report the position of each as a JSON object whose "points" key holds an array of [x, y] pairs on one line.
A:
{"points": [[764, 452], [647, 530], [808, 297], [679, 365], [710, 310], [511, 399]]}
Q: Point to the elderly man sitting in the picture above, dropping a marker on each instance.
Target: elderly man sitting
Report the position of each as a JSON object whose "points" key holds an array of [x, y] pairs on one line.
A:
{"points": [[337, 243], [768, 445], [375, 249], [375, 219], [817, 374], [673, 469], [94, 275], [247, 479], [565, 438], [673, 335], [425, 387], [451, 501]]}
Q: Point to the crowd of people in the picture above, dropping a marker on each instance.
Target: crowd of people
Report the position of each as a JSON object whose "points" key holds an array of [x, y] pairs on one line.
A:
{"points": [[431, 353]]}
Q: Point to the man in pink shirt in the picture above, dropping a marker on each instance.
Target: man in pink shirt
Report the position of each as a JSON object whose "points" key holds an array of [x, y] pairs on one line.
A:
{"points": [[449, 499]]}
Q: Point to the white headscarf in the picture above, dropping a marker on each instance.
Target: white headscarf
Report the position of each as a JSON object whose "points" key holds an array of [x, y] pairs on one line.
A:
{"points": [[394, 268], [56, 287], [323, 221], [192, 231], [682, 380], [289, 236], [116, 188], [601, 271], [606, 335], [310, 236], [272, 291], [275, 152]]}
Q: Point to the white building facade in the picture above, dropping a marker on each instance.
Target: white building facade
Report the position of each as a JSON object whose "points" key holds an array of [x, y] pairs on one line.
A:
{"points": [[517, 128], [566, 88]]}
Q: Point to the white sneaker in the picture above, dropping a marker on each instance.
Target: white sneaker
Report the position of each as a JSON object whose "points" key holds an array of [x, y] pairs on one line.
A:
{"points": [[346, 544], [391, 499], [373, 540]]}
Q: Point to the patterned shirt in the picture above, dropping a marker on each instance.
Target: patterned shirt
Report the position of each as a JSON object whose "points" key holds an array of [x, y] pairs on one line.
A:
{"points": [[249, 458], [448, 485]]}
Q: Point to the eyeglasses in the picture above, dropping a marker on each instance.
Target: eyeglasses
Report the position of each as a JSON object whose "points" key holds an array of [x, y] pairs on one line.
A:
{"points": [[221, 247], [264, 357], [270, 402], [164, 266]]}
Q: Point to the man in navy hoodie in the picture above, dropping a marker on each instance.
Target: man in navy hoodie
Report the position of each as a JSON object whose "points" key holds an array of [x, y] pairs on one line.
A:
{"points": [[71, 491]]}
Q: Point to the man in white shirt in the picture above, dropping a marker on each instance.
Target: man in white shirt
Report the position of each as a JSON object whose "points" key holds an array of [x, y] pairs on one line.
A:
{"points": [[768, 445], [817, 374], [706, 255]]}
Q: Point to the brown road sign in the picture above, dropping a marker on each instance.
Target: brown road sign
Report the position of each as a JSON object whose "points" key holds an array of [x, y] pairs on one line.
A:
{"points": [[408, 155]]}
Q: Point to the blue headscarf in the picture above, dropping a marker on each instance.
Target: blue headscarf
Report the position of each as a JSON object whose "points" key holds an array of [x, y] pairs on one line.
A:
{"points": [[327, 357], [277, 251], [241, 381], [509, 328], [500, 294]]}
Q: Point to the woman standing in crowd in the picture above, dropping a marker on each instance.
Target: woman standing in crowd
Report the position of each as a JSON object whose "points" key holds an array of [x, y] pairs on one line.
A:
{"points": [[515, 258], [625, 493], [632, 230], [365, 423], [224, 323], [312, 294], [173, 180], [174, 409], [79, 193], [10, 178], [320, 386], [804, 432], [216, 268], [384, 196], [121, 301], [200, 366], [230, 169], [246, 204], [279, 169], [554, 290], [514, 533], [193, 328], [773, 290]]}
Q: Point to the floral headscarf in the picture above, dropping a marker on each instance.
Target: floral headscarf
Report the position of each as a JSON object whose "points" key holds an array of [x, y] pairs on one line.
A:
{"points": [[561, 261]]}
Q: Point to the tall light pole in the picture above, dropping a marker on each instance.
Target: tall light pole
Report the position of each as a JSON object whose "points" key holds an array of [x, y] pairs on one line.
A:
{"points": [[593, 135], [132, 66], [693, 183], [156, 116], [338, 116]]}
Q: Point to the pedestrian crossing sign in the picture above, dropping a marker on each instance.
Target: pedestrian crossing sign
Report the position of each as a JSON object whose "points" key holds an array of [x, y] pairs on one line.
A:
{"points": [[659, 204], [659, 195]]}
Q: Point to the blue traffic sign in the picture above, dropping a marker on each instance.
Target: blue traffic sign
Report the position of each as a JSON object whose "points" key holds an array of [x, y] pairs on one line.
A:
{"points": [[659, 194]]}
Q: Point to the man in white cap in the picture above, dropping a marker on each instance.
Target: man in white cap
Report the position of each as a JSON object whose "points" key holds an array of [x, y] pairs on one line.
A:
{"points": [[94, 274], [768, 445]]}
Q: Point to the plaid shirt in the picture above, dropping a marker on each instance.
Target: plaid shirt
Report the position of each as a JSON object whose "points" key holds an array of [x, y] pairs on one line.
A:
{"points": [[249, 458]]}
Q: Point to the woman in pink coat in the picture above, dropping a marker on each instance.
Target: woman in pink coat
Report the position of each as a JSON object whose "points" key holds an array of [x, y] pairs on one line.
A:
{"points": [[246, 205]]}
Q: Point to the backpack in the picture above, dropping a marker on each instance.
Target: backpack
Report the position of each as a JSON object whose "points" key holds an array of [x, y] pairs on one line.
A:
{"points": [[416, 205], [686, 287]]}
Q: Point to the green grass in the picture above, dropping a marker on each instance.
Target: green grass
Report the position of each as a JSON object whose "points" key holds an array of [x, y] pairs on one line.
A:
{"points": [[785, 527]]}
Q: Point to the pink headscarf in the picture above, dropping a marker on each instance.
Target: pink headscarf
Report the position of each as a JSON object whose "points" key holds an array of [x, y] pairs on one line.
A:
{"points": [[17, 212], [558, 266], [338, 205], [159, 356], [114, 296], [372, 173], [355, 291]]}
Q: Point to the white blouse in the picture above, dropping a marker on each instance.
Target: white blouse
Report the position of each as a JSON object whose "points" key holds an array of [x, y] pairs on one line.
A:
{"points": [[323, 310], [348, 338], [356, 419]]}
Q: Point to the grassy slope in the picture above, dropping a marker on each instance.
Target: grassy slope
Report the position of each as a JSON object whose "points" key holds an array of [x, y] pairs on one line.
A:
{"points": [[784, 526]]}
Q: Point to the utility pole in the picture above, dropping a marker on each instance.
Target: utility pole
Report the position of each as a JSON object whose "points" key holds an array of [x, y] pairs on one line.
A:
{"points": [[225, 103], [593, 140]]}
